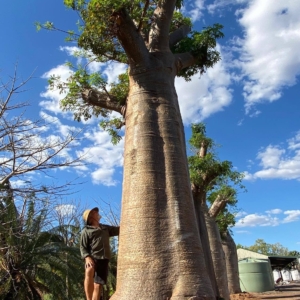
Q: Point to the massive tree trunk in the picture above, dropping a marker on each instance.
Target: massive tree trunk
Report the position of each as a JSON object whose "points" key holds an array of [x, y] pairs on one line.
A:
{"points": [[160, 253], [231, 257], [217, 252], [198, 196], [212, 234]]}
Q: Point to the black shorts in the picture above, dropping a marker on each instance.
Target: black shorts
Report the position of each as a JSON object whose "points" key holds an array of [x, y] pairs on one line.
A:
{"points": [[101, 271]]}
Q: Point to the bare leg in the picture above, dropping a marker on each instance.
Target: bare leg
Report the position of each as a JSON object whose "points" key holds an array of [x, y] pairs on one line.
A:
{"points": [[97, 291], [89, 283]]}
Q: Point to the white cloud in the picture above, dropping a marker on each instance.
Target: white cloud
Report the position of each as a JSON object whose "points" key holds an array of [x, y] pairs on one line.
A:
{"points": [[270, 156], [112, 70], [65, 209], [202, 97], [269, 57], [294, 143], [71, 51], [102, 156], [254, 220], [218, 5], [248, 176], [57, 125], [258, 219], [53, 97], [292, 216], [240, 214], [275, 211], [19, 183], [242, 231], [196, 10], [104, 176], [277, 162]]}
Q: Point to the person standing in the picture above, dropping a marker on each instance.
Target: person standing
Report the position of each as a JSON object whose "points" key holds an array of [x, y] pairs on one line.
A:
{"points": [[95, 250]]}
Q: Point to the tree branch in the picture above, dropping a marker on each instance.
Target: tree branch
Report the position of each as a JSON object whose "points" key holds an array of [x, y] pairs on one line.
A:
{"points": [[178, 35], [218, 205], [160, 28], [184, 60], [143, 15], [130, 39], [96, 98]]}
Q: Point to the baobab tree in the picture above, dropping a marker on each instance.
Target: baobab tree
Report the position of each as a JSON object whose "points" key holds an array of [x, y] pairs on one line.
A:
{"points": [[160, 252], [213, 182]]}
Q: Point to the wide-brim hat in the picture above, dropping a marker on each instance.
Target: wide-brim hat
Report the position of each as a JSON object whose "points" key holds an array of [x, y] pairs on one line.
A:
{"points": [[87, 212]]}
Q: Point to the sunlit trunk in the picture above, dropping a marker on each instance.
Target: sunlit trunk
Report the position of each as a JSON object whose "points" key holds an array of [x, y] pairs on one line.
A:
{"points": [[217, 253], [198, 198], [231, 257], [160, 253]]}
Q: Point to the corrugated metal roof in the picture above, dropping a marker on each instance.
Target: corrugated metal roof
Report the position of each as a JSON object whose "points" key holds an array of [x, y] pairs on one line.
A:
{"points": [[276, 261], [243, 253]]}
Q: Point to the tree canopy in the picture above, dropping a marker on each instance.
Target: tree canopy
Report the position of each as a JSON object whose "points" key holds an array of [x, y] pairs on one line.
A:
{"points": [[127, 32], [263, 247], [216, 178]]}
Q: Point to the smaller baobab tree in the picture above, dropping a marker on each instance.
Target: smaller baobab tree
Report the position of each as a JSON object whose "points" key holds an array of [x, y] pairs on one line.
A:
{"points": [[212, 182], [230, 251]]}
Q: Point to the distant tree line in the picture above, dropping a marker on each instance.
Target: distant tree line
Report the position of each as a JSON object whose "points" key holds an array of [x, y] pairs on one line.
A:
{"points": [[261, 246]]}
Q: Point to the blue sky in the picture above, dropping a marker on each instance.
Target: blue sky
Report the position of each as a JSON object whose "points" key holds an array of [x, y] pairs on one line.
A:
{"points": [[249, 102]]}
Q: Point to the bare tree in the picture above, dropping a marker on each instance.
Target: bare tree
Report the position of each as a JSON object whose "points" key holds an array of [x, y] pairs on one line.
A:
{"points": [[26, 147]]}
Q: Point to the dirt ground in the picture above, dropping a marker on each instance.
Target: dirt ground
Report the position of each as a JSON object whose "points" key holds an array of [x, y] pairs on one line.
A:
{"points": [[286, 292]]}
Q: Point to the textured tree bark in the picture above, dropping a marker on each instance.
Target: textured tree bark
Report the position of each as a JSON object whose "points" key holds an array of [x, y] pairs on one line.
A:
{"points": [[198, 196], [232, 268], [160, 254], [217, 253]]}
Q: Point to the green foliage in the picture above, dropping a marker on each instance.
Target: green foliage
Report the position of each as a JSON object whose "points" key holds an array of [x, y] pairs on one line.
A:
{"points": [[214, 177], [179, 20], [77, 83], [113, 127], [97, 36], [294, 253], [265, 248], [120, 89], [33, 260], [73, 87], [207, 171], [199, 137], [202, 46]]}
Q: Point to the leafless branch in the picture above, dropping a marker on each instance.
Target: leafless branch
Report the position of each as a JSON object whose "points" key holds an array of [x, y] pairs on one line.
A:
{"points": [[25, 145]]}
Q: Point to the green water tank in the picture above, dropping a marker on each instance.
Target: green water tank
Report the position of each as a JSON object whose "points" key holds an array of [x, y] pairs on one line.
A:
{"points": [[256, 275]]}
